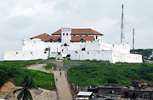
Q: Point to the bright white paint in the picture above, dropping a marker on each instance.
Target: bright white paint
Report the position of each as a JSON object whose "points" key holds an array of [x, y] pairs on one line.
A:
{"points": [[97, 49]]}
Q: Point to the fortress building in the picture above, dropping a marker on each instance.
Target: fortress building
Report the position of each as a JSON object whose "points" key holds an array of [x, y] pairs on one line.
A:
{"points": [[81, 44]]}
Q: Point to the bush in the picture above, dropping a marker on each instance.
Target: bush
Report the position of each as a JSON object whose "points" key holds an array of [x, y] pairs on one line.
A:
{"points": [[52, 58], [50, 65], [109, 74], [16, 71]]}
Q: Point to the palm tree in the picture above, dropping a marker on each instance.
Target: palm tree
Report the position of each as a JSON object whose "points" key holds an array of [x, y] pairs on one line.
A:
{"points": [[27, 84]]}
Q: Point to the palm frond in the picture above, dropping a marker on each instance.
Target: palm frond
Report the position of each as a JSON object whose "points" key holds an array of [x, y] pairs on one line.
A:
{"points": [[17, 90], [20, 95], [29, 95]]}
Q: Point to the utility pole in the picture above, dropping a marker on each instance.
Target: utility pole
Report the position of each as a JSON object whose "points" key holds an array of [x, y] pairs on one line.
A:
{"points": [[133, 41], [122, 25]]}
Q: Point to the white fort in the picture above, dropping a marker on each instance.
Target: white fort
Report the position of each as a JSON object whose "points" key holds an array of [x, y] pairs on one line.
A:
{"points": [[81, 44]]}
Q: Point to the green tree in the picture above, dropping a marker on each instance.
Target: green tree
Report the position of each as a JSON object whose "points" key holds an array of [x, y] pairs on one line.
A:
{"points": [[26, 84]]}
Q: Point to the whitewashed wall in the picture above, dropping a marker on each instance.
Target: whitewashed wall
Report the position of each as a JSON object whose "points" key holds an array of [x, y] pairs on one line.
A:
{"points": [[54, 46], [126, 57], [24, 55], [106, 46], [98, 55], [33, 45], [93, 45], [121, 47], [133, 58], [77, 46]]}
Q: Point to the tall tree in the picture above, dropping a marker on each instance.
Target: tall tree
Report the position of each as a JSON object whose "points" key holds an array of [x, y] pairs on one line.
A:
{"points": [[26, 84]]}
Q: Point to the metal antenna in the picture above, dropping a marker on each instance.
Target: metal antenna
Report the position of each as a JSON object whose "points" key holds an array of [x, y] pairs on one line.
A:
{"points": [[122, 25], [133, 41]]}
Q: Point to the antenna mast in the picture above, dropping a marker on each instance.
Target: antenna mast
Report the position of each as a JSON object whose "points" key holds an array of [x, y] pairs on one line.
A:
{"points": [[133, 40], [122, 25]]}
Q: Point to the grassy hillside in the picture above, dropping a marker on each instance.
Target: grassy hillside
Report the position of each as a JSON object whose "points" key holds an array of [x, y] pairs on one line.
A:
{"points": [[16, 70], [108, 74]]}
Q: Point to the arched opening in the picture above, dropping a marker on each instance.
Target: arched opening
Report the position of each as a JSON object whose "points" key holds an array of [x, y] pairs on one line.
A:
{"points": [[65, 44]]}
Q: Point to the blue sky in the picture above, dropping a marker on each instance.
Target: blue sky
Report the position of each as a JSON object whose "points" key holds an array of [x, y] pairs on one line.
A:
{"points": [[22, 19]]}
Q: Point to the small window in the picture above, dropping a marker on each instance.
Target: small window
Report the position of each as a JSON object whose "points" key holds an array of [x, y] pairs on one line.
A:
{"points": [[96, 37], [63, 34], [73, 35], [66, 34]]}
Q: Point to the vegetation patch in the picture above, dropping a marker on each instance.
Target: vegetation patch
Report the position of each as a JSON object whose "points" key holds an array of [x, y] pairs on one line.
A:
{"points": [[21, 64], [109, 74], [50, 66], [16, 70]]}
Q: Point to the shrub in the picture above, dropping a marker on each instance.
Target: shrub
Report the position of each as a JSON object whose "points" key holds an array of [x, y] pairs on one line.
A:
{"points": [[50, 65]]}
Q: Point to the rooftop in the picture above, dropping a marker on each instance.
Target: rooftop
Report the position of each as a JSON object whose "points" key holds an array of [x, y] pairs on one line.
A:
{"points": [[84, 31], [46, 37], [84, 93]]}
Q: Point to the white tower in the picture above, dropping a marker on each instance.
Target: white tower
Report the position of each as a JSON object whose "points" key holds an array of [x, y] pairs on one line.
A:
{"points": [[65, 36]]}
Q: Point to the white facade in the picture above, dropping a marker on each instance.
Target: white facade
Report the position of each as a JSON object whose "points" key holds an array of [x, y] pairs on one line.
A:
{"points": [[25, 55], [96, 49], [66, 36]]}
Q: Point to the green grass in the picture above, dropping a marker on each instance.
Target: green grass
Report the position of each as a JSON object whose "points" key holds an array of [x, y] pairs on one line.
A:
{"points": [[109, 74], [50, 65], [22, 64], [16, 70]]}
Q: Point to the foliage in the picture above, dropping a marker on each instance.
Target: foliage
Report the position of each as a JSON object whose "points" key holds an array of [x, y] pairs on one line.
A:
{"points": [[50, 65], [109, 74], [21, 63], [46, 49], [27, 83], [14, 69], [52, 58], [144, 52]]}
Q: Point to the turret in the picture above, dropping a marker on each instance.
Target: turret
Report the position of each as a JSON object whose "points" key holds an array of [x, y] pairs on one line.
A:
{"points": [[65, 36]]}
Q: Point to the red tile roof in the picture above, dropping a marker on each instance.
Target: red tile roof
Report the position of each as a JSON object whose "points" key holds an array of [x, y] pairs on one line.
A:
{"points": [[87, 31], [41, 36], [85, 38], [46, 37]]}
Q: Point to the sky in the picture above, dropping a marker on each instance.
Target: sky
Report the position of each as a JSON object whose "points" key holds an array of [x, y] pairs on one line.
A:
{"points": [[23, 19]]}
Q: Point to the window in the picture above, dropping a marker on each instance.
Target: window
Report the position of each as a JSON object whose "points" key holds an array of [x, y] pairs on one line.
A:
{"points": [[66, 34], [96, 36], [59, 40], [50, 40], [63, 34]]}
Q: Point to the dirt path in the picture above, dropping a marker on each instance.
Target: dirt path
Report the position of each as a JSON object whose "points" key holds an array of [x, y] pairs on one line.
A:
{"points": [[39, 67], [62, 86], [61, 83]]}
